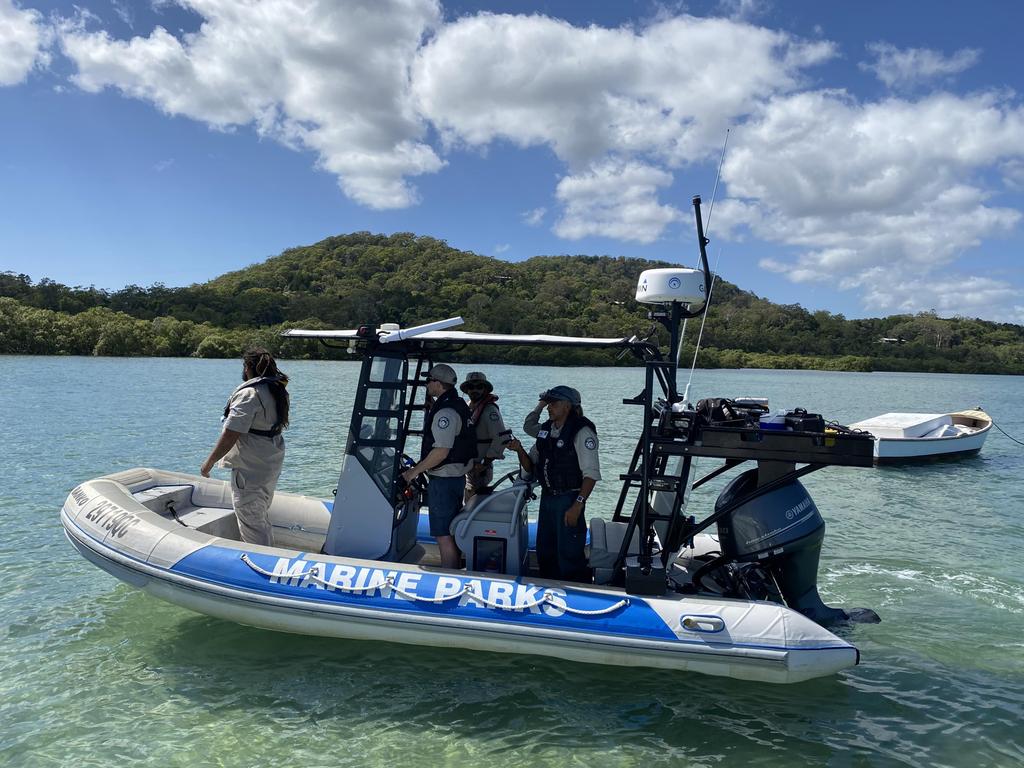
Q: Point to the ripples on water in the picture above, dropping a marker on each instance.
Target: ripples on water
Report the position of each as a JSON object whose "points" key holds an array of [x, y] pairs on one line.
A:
{"points": [[95, 673]]}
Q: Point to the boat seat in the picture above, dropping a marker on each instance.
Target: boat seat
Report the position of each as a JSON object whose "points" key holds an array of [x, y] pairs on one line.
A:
{"points": [[157, 498], [175, 502], [605, 541], [491, 530]]}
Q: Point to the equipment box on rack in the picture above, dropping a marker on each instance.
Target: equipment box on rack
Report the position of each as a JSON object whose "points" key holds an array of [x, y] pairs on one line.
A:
{"points": [[837, 448], [800, 420]]}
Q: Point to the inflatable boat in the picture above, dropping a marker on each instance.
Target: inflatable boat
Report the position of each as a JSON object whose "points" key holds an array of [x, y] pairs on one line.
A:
{"points": [[175, 537], [731, 592]]}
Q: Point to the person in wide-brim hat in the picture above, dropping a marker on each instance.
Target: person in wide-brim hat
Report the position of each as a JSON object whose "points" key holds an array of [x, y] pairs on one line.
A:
{"points": [[476, 380], [491, 433]]}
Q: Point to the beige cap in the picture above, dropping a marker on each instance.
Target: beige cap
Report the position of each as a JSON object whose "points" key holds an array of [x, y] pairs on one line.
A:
{"points": [[443, 373]]}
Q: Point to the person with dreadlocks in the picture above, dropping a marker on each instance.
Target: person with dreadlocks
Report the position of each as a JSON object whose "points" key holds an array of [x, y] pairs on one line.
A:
{"points": [[491, 434], [251, 444]]}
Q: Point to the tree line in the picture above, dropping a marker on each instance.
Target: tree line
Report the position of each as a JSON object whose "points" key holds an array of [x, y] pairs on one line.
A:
{"points": [[362, 278]]}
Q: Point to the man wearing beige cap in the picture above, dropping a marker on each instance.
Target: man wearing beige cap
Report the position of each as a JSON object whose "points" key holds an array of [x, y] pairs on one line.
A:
{"points": [[490, 431], [448, 448]]}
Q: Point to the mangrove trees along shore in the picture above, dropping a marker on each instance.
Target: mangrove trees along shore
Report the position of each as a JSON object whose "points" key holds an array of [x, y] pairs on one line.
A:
{"points": [[349, 280]]}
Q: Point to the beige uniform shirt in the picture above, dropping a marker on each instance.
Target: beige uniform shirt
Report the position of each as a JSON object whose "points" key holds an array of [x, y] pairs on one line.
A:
{"points": [[488, 433], [253, 408]]}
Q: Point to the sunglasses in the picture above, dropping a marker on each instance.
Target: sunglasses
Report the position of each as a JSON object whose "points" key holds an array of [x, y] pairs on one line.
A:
{"points": [[430, 379], [474, 386]]}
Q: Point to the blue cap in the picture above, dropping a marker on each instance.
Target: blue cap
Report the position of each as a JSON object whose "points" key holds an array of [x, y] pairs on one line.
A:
{"points": [[561, 392]]}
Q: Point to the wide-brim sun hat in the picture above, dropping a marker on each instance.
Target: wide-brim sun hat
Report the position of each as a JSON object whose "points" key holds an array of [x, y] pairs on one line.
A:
{"points": [[476, 377]]}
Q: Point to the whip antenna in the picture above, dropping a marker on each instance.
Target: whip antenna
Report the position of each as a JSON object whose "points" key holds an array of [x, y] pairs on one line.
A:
{"points": [[714, 192], [700, 335], [707, 302]]}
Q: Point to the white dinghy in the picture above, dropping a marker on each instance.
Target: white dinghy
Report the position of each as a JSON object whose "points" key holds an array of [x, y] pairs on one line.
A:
{"points": [[904, 437], [732, 593]]}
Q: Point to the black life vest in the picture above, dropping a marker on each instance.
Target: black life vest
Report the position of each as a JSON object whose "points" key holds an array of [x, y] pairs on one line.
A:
{"points": [[464, 448], [277, 389], [558, 466]]}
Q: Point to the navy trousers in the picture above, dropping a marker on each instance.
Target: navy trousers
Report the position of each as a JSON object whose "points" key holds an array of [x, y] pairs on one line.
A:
{"points": [[560, 549]]}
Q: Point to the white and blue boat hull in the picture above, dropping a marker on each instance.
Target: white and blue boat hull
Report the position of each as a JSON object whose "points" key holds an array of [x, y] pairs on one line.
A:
{"points": [[291, 590]]}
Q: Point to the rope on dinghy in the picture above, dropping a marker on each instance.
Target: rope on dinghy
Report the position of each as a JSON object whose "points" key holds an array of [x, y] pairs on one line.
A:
{"points": [[313, 575]]}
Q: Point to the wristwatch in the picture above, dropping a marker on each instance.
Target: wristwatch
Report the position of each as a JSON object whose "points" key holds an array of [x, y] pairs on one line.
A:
{"points": [[581, 499]]}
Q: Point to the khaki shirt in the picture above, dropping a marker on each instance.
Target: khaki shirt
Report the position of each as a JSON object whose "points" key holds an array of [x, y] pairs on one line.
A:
{"points": [[446, 427], [488, 433], [532, 422], [253, 408]]}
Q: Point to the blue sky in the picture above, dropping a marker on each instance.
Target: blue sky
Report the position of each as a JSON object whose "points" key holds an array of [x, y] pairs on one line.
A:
{"points": [[875, 162]]}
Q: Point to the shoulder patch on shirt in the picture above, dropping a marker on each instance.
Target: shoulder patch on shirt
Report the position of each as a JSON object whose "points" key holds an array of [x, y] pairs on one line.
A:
{"points": [[443, 422], [590, 443]]}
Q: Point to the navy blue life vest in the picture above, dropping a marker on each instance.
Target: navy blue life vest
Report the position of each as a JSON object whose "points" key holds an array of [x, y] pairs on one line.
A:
{"points": [[558, 466], [464, 448], [280, 394]]}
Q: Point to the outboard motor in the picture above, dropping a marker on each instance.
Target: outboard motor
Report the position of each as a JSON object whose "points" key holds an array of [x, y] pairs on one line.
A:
{"points": [[782, 532]]}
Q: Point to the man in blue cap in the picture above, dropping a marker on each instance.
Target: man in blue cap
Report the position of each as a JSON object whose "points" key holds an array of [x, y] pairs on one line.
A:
{"points": [[565, 460]]}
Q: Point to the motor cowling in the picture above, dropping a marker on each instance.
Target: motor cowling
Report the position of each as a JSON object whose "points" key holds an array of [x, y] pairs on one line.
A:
{"points": [[782, 531]]}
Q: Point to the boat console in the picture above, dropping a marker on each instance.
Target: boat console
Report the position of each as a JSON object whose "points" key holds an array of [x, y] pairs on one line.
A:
{"points": [[492, 529]]}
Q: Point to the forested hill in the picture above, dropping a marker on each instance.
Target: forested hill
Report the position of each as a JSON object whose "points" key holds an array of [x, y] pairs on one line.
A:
{"points": [[345, 281]]}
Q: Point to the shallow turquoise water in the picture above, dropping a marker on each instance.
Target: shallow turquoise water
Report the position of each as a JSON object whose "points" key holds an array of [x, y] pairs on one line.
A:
{"points": [[95, 673]]}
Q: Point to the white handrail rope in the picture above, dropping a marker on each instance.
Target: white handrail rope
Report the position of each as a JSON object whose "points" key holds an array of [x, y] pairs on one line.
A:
{"points": [[313, 575], [598, 611]]}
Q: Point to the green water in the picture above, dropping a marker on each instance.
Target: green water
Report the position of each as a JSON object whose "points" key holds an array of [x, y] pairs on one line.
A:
{"points": [[95, 673]]}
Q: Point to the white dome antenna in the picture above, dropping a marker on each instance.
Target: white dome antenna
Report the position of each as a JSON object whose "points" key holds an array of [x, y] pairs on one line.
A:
{"points": [[665, 286]]}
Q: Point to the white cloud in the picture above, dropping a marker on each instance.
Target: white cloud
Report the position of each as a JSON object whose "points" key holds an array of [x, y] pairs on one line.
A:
{"points": [[744, 9], [879, 197], [311, 73], [124, 12], [615, 199], [597, 96], [502, 248], [585, 92], [534, 217], [865, 195], [162, 165], [23, 40], [949, 294], [906, 67]]}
